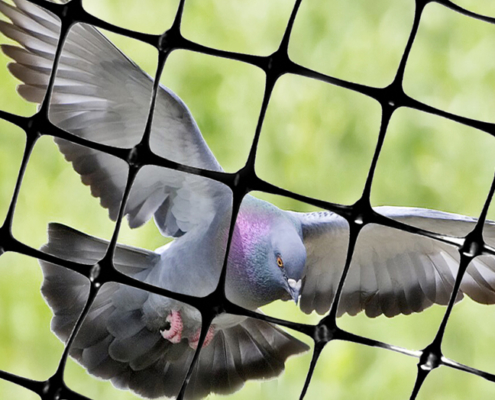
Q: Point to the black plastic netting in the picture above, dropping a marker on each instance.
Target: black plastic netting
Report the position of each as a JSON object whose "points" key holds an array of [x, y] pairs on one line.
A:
{"points": [[357, 215]]}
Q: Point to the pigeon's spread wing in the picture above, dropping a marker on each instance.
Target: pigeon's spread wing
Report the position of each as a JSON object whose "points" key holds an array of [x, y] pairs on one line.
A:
{"points": [[115, 342], [392, 272], [102, 96]]}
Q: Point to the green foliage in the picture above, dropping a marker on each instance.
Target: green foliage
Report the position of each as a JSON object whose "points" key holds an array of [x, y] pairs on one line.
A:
{"points": [[317, 140]]}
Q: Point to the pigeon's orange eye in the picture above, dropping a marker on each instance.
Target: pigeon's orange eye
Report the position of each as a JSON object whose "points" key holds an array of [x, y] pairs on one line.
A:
{"points": [[280, 263]]}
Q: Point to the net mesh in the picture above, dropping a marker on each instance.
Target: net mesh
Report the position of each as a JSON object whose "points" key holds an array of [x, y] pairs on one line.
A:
{"points": [[358, 215]]}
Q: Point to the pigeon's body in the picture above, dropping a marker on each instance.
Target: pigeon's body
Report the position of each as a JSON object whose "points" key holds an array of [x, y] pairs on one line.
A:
{"points": [[146, 342], [246, 284], [256, 220], [123, 337]]}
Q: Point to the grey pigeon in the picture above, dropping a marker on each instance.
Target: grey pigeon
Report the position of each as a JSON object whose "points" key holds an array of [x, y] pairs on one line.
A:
{"points": [[146, 342]]}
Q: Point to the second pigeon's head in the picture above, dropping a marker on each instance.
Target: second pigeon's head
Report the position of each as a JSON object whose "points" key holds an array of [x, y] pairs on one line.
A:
{"points": [[267, 257]]}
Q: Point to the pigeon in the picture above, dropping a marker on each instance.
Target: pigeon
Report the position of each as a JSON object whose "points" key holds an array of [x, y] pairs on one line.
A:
{"points": [[145, 342]]}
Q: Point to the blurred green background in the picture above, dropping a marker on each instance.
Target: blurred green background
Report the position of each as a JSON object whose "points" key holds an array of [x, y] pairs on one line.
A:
{"points": [[317, 140]]}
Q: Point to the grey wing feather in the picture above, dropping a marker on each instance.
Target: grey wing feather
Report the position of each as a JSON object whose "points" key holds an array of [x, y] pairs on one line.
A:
{"points": [[115, 343], [392, 272], [102, 96], [253, 349]]}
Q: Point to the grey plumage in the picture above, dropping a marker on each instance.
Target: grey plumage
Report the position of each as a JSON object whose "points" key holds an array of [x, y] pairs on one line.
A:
{"points": [[127, 336], [115, 343], [392, 272], [102, 96]]}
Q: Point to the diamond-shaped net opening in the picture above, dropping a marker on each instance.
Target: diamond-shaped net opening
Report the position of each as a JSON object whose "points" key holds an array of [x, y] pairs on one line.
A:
{"points": [[398, 105]]}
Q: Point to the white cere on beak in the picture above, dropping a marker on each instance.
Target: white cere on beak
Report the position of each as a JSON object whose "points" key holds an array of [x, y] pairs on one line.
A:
{"points": [[295, 289], [295, 285]]}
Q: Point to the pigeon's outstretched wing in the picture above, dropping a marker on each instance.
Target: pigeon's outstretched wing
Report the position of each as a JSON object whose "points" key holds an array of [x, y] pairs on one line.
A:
{"points": [[392, 272], [102, 96], [115, 343]]}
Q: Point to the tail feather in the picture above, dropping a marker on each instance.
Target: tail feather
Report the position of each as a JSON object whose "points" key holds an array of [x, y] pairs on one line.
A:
{"points": [[254, 349], [96, 360], [127, 349], [225, 375], [145, 360], [124, 324], [93, 330]]}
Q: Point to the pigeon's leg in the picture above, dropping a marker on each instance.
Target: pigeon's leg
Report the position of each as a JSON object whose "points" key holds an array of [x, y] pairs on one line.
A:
{"points": [[193, 342], [174, 333]]}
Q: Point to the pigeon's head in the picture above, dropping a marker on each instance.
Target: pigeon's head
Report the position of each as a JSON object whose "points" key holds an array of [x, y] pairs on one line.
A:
{"points": [[267, 258], [286, 258]]}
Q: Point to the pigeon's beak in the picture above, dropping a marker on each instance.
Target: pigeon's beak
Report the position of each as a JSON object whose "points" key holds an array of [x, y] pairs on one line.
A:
{"points": [[295, 289]]}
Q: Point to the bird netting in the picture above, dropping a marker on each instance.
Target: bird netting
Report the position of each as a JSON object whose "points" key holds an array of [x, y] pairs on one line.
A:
{"points": [[278, 69]]}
